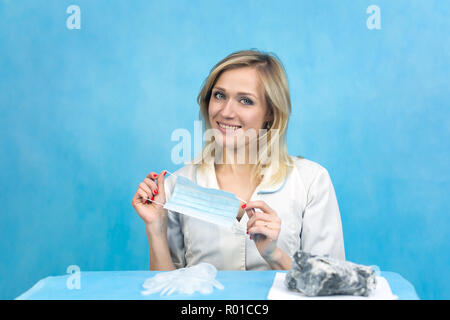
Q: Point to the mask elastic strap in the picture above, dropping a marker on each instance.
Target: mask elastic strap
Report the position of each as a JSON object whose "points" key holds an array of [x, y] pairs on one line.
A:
{"points": [[173, 174]]}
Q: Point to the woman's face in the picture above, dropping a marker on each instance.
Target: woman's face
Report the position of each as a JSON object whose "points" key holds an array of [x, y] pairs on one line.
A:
{"points": [[237, 100]]}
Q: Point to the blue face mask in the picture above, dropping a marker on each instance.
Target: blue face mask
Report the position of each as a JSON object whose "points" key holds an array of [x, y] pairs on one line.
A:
{"points": [[211, 205]]}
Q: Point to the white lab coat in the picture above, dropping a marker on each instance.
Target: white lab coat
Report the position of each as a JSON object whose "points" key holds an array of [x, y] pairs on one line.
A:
{"points": [[305, 202]]}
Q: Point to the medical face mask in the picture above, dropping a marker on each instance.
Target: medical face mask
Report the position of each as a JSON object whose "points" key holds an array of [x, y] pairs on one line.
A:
{"points": [[211, 205]]}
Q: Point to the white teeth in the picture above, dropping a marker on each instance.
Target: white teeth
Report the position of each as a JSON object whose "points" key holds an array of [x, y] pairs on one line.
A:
{"points": [[228, 127]]}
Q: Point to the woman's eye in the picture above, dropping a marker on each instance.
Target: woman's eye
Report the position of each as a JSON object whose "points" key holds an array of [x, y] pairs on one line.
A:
{"points": [[217, 93], [248, 101]]}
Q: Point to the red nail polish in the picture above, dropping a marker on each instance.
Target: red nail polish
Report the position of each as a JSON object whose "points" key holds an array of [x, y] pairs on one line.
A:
{"points": [[243, 206], [156, 191], [153, 197], [247, 231], [155, 175], [165, 172]]}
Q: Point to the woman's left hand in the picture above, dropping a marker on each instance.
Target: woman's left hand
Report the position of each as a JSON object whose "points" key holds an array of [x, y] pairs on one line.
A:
{"points": [[263, 227]]}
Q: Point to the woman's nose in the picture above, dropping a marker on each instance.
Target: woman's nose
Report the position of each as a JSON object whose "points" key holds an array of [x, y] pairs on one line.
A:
{"points": [[228, 109]]}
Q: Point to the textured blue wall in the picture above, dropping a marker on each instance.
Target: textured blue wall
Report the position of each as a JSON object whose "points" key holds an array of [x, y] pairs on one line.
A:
{"points": [[86, 114]]}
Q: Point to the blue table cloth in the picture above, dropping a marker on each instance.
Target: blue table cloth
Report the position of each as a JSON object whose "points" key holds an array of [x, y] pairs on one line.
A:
{"points": [[127, 285]]}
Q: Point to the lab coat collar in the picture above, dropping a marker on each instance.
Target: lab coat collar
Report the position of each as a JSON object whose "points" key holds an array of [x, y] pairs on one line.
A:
{"points": [[206, 177]]}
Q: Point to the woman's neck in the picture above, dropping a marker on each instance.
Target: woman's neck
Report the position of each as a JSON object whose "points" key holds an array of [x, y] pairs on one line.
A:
{"points": [[234, 162], [233, 169]]}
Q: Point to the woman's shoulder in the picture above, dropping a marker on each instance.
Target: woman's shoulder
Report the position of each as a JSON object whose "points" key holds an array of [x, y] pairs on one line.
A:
{"points": [[187, 170], [306, 164], [308, 169]]}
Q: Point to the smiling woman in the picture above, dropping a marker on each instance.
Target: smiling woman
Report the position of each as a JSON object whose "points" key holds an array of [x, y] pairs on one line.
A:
{"points": [[230, 110], [289, 202], [248, 90]]}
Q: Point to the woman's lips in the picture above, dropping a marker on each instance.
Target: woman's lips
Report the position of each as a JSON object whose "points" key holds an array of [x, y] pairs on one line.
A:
{"points": [[227, 131]]}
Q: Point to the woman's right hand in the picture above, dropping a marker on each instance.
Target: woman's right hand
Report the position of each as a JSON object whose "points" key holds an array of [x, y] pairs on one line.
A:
{"points": [[151, 188]]}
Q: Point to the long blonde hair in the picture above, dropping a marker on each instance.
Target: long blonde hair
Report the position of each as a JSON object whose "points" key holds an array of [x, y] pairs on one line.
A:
{"points": [[276, 92]]}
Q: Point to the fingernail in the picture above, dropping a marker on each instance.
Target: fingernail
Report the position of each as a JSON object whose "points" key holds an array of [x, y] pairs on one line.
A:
{"points": [[156, 191], [247, 231], [165, 172], [147, 201], [155, 175], [243, 206], [153, 197]]}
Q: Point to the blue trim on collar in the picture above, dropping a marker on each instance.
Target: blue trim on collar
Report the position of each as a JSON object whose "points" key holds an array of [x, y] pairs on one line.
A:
{"points": [[272, 191]]}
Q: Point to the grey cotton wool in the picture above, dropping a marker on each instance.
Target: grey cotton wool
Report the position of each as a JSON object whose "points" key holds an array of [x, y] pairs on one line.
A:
{"points": [[315, 275]]}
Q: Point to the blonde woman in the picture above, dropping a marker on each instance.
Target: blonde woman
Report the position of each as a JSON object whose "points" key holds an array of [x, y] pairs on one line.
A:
{"points": [[290, 201]]}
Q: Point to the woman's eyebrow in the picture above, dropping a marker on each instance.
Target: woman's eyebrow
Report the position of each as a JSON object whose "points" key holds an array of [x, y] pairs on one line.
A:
{"points": [[245, 93]]}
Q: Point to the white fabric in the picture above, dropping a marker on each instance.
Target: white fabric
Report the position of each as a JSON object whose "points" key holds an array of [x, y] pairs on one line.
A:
{"points": [[279, 291], [305, 202]]}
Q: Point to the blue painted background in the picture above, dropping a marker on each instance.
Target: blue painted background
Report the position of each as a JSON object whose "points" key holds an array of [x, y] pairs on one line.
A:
{"points": [[86, 114]]}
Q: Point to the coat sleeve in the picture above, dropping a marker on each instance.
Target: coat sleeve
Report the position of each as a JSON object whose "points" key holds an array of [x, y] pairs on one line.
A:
{"points": [[175, 236], [321, 224]]}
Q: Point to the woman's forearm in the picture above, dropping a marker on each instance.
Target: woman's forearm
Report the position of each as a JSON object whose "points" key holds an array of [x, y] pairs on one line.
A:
{"points": [[279, 260], [159, 248]]}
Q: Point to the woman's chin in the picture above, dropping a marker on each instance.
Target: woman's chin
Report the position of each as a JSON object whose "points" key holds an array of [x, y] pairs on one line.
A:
{"points": [[235, 146]]}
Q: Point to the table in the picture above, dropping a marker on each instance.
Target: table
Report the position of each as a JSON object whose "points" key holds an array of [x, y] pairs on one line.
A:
{"points": [[127, 285]]}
